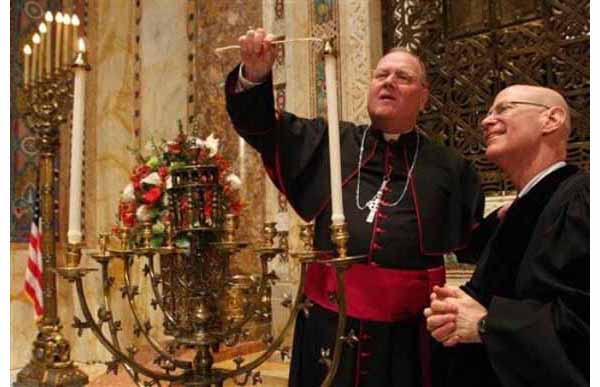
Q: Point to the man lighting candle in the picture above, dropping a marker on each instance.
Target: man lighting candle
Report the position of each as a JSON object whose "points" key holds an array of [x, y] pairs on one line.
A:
{"points": [[406, 201]]}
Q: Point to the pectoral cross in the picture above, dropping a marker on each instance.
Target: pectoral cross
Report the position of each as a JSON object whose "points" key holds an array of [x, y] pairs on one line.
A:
{"points": [[373, 204]]}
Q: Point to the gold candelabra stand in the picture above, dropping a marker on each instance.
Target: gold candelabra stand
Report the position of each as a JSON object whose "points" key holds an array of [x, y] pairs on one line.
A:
{"points": [[214, 305], [49, 101]]}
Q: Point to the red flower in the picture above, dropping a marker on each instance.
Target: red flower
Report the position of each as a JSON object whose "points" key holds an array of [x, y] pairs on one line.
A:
{"points": [[183, 205], [152, 195], [141, 171], [207, 204], [163, 171], [128, 219], [174, 148], [236, 207], [207, 210]]}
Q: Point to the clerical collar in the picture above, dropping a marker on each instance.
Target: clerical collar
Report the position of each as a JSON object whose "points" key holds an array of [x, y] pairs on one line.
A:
{"points": [[391, 137], [409, 137], [536, 179]]}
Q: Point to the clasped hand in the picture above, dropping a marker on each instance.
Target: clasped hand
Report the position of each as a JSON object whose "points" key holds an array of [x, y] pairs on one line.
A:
{"points": [[453, 315]]}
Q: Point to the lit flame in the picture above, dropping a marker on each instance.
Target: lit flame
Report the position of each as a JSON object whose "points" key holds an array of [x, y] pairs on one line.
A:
{"points": [[75, 20], [36, 38], [81, 45], [59, 17], [48, 17], [43, 29], [27, 49], [66, 19]]}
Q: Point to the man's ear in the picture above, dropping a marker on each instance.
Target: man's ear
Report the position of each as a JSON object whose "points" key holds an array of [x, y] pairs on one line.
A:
{"points": [[555, 119]]}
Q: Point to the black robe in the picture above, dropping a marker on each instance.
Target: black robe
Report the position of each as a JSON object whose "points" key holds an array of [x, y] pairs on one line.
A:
{"points": [[533, 277], [435, 216]]}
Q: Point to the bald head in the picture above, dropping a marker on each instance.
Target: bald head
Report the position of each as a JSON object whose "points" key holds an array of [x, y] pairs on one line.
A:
{"points": [[543, 96]]}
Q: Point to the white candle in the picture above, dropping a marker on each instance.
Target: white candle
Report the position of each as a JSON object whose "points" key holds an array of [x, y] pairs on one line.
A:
{"points": [[335, 170], [34, 57], [66, 41], [27, 64], [75, 30], [58, 38], [43, 48], [74, 233], [48, 17]]}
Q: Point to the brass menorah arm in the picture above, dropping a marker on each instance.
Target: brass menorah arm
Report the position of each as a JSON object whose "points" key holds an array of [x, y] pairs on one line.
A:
{"points": [[119, 355]]}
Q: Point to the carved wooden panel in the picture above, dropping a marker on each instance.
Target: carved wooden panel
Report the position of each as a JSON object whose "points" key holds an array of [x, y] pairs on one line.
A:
{"points": [[475, 48]]}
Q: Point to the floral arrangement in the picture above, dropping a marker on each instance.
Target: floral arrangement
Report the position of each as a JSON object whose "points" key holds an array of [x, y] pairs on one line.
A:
{"points": [[145, 200]]}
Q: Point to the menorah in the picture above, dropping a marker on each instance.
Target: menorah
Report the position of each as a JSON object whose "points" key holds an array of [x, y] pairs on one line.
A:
{"points": [[203, 320], [49, 94]]}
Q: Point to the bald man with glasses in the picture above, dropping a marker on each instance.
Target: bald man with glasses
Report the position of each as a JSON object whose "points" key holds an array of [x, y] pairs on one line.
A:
{"points": [[523, 318]]}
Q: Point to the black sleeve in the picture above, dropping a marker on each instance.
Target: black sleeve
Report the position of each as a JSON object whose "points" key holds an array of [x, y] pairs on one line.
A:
{"points": [[480, 235], [544, 339], [290, 146], [473, 206]]}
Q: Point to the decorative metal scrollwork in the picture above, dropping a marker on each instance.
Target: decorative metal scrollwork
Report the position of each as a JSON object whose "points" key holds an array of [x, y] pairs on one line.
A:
{"points": [[473, 49]]}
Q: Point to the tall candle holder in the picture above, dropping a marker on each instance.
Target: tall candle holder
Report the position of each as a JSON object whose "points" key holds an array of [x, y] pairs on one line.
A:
{"points": [[49, 94], [49, 102]]}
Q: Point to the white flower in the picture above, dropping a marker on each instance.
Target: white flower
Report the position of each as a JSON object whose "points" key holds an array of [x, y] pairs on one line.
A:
{"points": [[211, 143], [128, 194], [143, 213], [152, 179], [234, 181], [195, 140], [169, 182]]}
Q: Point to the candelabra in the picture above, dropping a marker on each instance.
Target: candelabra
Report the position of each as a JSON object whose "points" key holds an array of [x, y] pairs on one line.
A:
{"points": [[49, 101], [213, 305]]}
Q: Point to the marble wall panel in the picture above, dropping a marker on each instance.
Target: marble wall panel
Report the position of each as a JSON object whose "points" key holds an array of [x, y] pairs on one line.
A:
{"points": [[164, 70], [113, 113], [220, 24]]}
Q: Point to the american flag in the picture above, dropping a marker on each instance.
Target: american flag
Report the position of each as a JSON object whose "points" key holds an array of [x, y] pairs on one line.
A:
{"points": [[33, 272]]}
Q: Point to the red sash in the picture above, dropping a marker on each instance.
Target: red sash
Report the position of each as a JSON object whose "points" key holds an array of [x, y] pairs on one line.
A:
{"points": [[375, 293], [378, 294]]}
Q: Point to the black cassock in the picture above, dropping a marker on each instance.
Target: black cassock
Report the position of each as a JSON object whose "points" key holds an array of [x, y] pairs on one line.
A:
{"points": [[533, 277], [405, 243]]}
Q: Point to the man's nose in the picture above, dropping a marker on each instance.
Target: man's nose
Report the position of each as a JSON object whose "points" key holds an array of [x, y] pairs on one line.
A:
{"points": [[487, 121], [390, 79]]}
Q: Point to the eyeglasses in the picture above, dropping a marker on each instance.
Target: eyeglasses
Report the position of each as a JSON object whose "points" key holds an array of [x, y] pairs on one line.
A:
{"points": [[505, 106], [399, 77]]}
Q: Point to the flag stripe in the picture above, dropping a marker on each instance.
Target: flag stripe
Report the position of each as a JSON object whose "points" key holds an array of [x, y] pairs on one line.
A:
{"points": [[34, 267], [31, 293]]}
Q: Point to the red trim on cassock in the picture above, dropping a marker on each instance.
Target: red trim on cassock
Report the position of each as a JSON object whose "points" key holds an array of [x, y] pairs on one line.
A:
{"points": [[375, 293]]}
